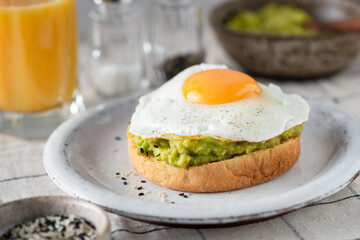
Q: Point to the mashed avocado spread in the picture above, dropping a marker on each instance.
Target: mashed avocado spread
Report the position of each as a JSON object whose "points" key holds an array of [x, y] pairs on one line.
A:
{"points": [[272, 19], [197, 151]]}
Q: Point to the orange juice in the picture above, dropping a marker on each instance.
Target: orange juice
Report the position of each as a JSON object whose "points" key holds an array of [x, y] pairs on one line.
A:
{"points": [[38, 54]]}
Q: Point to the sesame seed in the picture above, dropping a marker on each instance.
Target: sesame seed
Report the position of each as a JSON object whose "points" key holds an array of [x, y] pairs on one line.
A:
{"points": [[125, 183], [157, 155], [141, 194], [139, 188], [117, 138], [143, 181], [156, 146], [141, 150], [128, 174], [181, 194], [122, 178]]}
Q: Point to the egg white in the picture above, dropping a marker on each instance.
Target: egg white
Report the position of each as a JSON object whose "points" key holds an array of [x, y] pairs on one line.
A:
{"points": [[165, 113]]}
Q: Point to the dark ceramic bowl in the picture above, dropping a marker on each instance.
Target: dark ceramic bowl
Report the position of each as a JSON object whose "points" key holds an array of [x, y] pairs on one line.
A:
{"points": [[290, 56]]}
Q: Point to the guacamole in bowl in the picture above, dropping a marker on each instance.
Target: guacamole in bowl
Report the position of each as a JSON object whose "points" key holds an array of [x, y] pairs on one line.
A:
{"points": [[273, 18]]}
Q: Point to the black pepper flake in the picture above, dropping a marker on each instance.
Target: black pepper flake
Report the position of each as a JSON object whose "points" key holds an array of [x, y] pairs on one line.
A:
{"points": [[117, 138], [156, 146], [141, 150], [122, 178], [139, 188], [125, 183], [172, 202], [141, 194]]}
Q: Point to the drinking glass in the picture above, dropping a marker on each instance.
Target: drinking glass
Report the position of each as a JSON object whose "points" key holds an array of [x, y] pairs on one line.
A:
{"points": [[38, 66]]}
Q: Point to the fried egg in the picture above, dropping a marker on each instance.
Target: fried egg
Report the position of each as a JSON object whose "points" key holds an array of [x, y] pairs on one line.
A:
{"points": [[210, 100]]}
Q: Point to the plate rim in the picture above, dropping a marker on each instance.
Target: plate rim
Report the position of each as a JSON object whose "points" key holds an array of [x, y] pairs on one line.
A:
{"points": [[60, 135]]}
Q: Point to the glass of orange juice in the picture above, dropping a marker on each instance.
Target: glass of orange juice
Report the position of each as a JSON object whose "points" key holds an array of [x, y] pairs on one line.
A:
{"points": [[38, 66]]}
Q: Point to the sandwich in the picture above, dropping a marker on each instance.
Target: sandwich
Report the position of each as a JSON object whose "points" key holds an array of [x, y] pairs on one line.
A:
{"points": [[213, 129]]}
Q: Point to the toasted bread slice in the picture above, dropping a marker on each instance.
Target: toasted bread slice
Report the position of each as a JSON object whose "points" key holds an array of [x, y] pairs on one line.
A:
{"points": [[235, 173]]}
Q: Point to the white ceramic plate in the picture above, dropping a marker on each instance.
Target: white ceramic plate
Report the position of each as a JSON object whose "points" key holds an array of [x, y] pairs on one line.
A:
{"points": [[83, 155]]}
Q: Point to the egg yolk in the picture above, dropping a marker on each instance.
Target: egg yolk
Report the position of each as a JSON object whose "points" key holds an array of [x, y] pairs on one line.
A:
{"points": [[219, 86]]}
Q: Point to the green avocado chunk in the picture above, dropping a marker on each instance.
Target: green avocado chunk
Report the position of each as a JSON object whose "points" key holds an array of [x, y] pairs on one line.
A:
{"points": [[188, 152]]}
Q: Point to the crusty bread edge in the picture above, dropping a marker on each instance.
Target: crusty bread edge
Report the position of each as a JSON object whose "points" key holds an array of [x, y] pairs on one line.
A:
{"points": [[235, 173]]}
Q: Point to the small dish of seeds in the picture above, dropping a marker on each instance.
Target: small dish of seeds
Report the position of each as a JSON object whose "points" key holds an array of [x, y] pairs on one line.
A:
{"points": [[53, 217], [53, 227]]}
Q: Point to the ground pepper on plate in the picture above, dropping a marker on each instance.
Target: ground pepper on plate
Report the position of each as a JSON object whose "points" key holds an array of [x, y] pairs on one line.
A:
{"points": [[53, 227]]}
